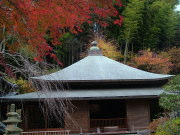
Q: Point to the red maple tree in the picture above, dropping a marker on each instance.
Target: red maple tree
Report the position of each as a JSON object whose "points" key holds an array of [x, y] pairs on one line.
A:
{"points": [[31, 19]]}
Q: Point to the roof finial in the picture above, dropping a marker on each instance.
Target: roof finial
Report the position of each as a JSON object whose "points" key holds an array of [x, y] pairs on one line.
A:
{"points": [[94, 50], [94, 43]]}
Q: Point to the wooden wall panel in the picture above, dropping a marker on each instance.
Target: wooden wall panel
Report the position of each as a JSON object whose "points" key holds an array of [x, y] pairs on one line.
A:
{"points": [[138, 114], [80, 117]]}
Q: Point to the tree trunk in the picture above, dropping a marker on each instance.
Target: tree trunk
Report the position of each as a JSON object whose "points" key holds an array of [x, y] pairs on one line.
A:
{"points": [[132, 50], [126, 52]]}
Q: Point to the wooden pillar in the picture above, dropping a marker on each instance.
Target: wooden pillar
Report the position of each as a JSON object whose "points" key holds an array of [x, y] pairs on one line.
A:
{"points": [[138, 114], [80, 118]]}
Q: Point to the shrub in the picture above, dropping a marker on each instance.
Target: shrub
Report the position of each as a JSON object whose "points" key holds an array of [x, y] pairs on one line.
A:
{"points": [[156, 122], [152, 62], [24, 86], [171, 127], [170, 99], [174, 54]]}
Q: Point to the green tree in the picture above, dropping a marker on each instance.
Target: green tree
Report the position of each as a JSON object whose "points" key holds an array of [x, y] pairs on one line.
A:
{"points": [[157, 25], [171, 127], [177, 35], [160, 24], [132, 21], [170, 99]]}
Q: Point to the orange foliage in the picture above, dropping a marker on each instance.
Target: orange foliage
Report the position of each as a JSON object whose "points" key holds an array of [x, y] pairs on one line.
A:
{"points": [[152, 62], [30, 19], [174, 54], [156, 122]]}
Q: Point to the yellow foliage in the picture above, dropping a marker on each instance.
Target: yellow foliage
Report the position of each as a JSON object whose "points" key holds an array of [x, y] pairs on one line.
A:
{"points": [[109, 49], [23, 85]]}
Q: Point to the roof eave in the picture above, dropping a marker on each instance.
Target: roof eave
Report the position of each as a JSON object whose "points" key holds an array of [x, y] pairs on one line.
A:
{"points": [[108, 80], [80, 98]]}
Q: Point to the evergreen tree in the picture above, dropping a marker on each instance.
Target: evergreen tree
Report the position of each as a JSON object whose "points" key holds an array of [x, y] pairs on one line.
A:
{"points": [[147, 24], [170, 100], [132, 21], [159, 25]]}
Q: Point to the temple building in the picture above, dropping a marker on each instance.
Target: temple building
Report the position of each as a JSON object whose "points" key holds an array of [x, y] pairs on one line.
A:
{"points": [[105, 93]]}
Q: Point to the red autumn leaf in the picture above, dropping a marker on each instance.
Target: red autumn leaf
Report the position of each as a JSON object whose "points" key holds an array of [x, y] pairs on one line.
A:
{"points": [[30, 19]]}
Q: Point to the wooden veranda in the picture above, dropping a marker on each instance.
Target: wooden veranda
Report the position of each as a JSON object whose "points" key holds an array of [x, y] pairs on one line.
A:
{"points": [[121, 123]]}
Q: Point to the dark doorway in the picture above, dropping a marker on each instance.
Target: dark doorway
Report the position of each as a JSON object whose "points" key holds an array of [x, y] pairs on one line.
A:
{"points": [[105, 109], [155, 110], [105, 113]]}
